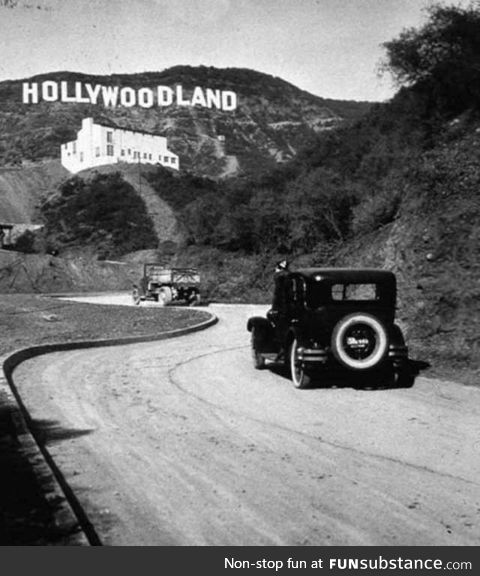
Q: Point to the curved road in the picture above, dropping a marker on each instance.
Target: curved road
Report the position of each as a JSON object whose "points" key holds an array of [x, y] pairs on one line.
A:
{"points": [[182, 442]]}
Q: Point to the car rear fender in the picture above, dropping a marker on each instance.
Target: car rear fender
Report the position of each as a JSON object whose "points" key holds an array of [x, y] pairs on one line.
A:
{"points": [[263, 334], [398, 350], [259, 323], [395, 336]]}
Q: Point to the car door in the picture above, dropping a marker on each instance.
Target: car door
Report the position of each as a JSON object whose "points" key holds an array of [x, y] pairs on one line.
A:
{"points": [[279, 314]]}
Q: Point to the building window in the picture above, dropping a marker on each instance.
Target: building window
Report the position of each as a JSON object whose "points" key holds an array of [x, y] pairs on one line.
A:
{"points": [[174, 160], [129, 151], [122, 152], [165, 159], [81, 156], [97, 151], [149, 156], [74, 147], [109, 150], [145, 155], [110, 137]]}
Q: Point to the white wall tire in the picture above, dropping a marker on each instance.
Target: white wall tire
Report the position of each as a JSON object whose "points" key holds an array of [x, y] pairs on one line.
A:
{"points": [[359, 342], [300, 378]]}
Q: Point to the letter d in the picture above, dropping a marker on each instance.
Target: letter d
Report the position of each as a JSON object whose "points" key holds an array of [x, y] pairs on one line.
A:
{"points": [[229, 100], [164, 95]]}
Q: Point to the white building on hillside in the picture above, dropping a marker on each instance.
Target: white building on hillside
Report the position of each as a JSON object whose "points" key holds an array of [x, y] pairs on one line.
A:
{"points": [[97, 144]]}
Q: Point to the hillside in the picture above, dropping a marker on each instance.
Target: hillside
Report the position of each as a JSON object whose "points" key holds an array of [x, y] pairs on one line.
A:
{"points": [[273, 120], [163, 217], [22, 188], [40, 273], [433, 244]]}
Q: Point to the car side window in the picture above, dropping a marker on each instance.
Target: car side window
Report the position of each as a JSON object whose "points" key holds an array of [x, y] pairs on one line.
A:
{"points": [[355, 291]]}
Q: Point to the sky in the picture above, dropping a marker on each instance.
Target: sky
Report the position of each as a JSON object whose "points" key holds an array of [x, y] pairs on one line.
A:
{"points": [[331, 48]]}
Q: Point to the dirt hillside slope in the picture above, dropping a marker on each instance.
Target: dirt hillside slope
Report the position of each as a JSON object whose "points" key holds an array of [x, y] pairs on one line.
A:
{"points": [[26, 273], [163, 218], [23, 187]]}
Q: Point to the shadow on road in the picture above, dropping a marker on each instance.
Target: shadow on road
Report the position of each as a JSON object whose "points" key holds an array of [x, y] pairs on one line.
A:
{"points": [[344, 379], [28, 497], [48, 432]]}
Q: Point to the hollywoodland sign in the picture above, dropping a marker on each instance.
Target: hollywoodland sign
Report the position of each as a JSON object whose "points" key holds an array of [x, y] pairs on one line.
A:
{"points": [[113, 96]]}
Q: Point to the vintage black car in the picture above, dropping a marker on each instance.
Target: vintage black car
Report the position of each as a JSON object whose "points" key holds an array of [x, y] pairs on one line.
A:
{"points": [[330, 320]]}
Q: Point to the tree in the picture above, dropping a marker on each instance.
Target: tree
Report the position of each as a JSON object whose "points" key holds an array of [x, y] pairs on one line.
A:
{"points": [[443, 55], [320, 206]]}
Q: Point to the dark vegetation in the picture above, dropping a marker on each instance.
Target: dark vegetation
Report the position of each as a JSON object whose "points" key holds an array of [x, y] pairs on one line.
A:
{"points": [[104, 213], [355, 179]]}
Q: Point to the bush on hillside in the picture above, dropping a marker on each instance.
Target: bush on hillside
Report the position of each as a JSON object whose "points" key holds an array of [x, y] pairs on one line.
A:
{"points": [[381, 206], [319, 205], [178, 191], [105, 213], [25, 243]]}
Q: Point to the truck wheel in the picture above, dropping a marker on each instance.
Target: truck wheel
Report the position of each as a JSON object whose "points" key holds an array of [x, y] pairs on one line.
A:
{"points": [[136, 297], [300, 378], [164, 296], [194, 300], [258, 359], [359, 341]]}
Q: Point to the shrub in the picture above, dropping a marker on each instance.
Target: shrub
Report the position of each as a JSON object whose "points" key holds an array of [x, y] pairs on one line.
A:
{"points": [[104, 212], [25, 243]]}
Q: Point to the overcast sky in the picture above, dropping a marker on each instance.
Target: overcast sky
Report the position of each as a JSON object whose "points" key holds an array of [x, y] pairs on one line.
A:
{"points": [[329, 47]]}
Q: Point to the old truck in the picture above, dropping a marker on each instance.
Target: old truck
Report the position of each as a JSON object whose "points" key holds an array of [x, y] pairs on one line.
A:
{"points": [[166, 285]]}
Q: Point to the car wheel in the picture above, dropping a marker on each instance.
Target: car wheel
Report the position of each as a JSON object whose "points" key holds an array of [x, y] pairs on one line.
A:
{"points": [[359, 342], [300, 377], [258, 359]]}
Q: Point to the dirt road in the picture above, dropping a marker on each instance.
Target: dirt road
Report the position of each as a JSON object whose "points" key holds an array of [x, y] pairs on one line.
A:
{"points": [[183, 442]]}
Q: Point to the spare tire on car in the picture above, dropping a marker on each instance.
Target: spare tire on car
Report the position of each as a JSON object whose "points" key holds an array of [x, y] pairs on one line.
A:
{"points": [[359, 342]]}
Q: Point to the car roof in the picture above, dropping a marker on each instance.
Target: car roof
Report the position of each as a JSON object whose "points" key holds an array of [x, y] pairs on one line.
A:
{"points": [[357, 275]]}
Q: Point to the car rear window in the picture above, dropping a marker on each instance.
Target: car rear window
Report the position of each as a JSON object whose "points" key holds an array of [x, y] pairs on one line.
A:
{"points": [[354, 292]]}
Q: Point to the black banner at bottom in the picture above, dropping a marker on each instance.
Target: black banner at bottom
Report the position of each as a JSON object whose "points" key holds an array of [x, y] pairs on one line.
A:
{"points": [[263, 561]]}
